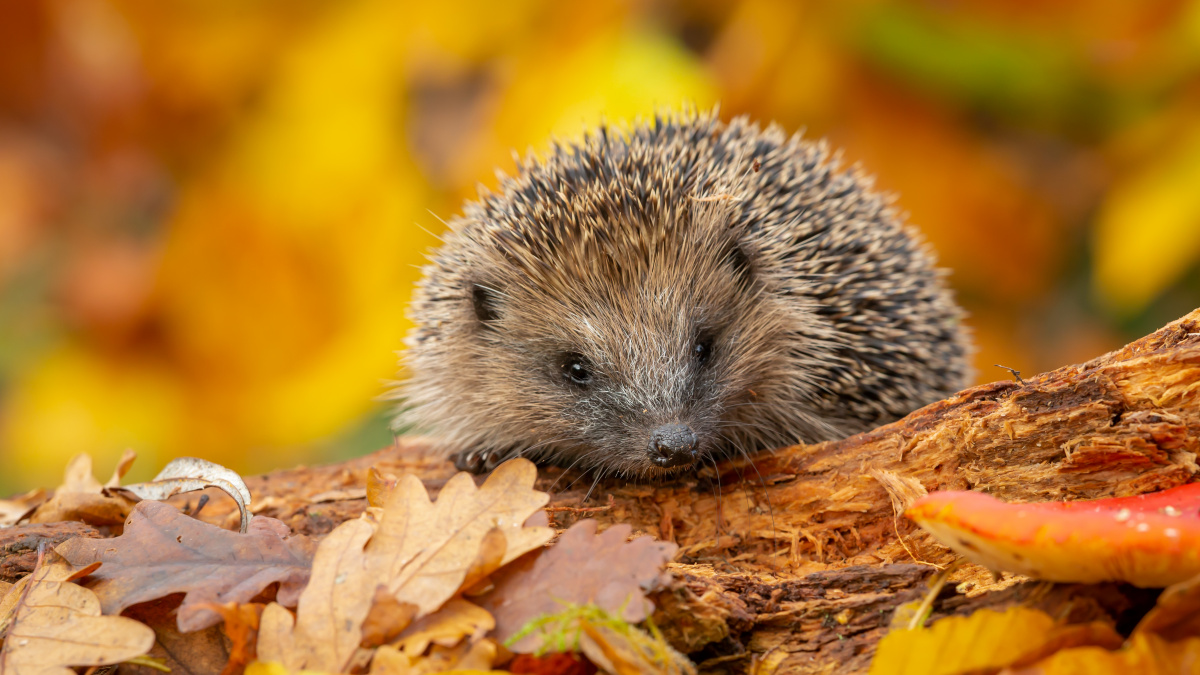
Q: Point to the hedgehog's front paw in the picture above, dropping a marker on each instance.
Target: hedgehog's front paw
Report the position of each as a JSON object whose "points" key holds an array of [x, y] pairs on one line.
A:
{"points": [[478, 461]]}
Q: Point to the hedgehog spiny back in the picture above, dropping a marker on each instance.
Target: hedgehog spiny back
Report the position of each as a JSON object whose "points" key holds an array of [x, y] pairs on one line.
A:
{"points": [[646, 298]]}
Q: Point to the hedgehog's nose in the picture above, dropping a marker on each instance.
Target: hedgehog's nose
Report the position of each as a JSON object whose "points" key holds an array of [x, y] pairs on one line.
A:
{"points": [[672, 445]]}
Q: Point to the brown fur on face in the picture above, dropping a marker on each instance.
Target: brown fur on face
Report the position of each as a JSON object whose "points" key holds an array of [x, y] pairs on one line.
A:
{"points": [[712, 275]]}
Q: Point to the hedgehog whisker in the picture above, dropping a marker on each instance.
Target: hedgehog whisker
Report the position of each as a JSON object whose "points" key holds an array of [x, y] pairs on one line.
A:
{"points": [[599, 475], [720, 507], [766, 494], [572, 465], [584, 471]]}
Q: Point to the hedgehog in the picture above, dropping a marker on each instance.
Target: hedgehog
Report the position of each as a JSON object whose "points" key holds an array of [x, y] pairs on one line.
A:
{"points": [[679, 290]]}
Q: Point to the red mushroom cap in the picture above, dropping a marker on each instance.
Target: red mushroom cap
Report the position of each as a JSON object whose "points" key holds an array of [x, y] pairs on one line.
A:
{"points": [[1150, 540]]}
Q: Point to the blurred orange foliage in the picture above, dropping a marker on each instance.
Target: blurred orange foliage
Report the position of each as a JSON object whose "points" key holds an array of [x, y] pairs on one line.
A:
{"points": [[212, 212]]}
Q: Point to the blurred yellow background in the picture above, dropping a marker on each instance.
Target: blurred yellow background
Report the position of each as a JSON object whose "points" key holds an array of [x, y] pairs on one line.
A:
{"points": [[212, 211]]}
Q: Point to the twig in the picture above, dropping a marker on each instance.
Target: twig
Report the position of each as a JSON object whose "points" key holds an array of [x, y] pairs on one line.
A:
{"points": [[935, 589], [1015, 373]]}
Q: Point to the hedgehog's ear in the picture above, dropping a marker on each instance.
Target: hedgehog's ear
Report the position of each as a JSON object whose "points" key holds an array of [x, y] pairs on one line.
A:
{"points": [[739, 262], [485, 301]]}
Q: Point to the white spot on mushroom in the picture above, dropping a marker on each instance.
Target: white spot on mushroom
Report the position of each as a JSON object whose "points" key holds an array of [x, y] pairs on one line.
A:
{"points": [[1171, 532], [1143, 527], [1123, 515]]}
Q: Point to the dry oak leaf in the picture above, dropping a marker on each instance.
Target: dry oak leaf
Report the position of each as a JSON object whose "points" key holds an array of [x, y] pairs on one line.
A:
{"points": [[16, 509], [328, 625], [465, 659], [163, 551], [81, 497], [379, 485], [447, 627], [57, 624], [241, 628], [387, 619], [202, 652], [11, 597], [581, 568], [424, 551], [420, 551], [1150, 540]]}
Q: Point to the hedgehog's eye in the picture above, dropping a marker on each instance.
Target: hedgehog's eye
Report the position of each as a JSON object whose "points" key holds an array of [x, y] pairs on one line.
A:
{"points": [[702, 350], [577, 370]]}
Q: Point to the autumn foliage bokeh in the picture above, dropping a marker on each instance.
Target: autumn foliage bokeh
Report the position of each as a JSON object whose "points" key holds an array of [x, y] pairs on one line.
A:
{"points": [[212, 211]]}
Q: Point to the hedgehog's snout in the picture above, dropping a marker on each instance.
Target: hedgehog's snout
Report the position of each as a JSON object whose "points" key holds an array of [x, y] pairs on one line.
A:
{"points": [[673, 446]]}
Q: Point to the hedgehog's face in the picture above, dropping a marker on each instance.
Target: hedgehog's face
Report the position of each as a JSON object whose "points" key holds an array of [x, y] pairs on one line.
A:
{"points": [[642, 300], [639, 370]]}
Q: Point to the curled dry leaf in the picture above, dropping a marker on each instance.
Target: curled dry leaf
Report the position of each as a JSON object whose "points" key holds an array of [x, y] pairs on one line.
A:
{"points": [[1150, 540], [81, 496], [13, 511], [121, 469], [379, 484], [162, 551], [57, 624], [581, 568], [188, 474]]}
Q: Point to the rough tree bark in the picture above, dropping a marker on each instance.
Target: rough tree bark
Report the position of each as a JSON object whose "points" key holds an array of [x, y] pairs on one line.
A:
{"points": [[794, 561]]}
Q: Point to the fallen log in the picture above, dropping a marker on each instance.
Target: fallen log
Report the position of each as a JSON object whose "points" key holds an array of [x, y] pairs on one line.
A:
{"points": [[794, 560]]}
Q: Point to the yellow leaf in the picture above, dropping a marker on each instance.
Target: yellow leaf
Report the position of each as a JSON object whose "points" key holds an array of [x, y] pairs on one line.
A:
{"points": [[74, 400], [1148, 229], [984, 640], [465, 659], [274, 668], [609, 75], [1144, 654]]}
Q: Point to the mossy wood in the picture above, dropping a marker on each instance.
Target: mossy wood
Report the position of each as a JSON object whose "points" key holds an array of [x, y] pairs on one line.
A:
{"points": [[796, 560]]}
